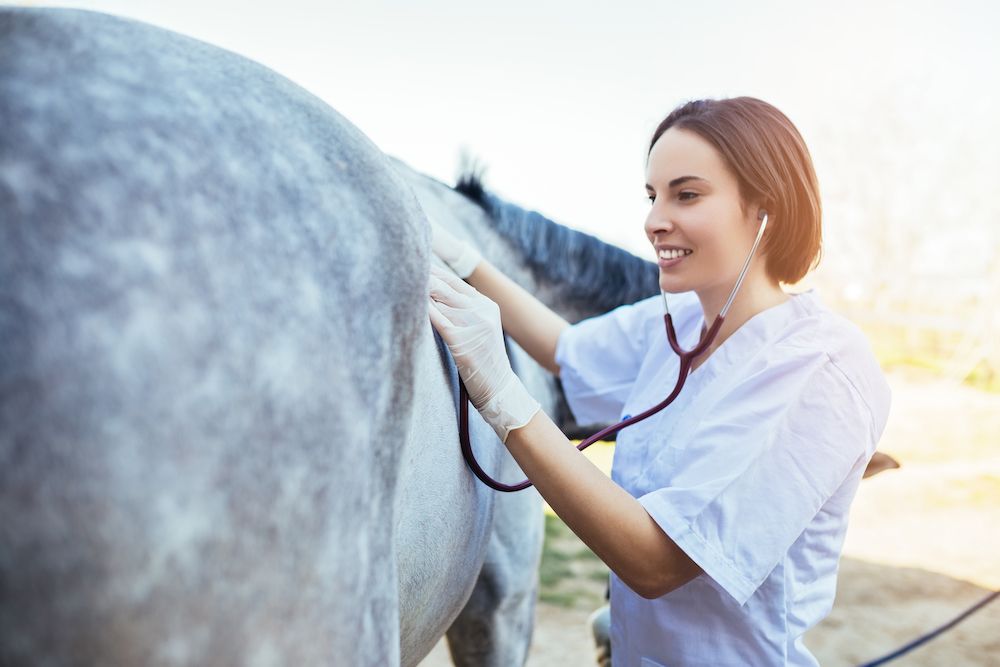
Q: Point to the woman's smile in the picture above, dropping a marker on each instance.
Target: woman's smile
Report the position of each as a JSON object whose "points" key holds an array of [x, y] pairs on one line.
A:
{"points": [[670, 256]]}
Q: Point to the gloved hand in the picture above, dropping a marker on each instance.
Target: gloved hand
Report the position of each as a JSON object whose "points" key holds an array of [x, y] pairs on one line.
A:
{"points": [[456, 253], [469, 323]]}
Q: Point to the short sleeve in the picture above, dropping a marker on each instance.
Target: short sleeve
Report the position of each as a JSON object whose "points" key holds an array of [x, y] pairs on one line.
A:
{"points": [[599, 360], [758, 468]]}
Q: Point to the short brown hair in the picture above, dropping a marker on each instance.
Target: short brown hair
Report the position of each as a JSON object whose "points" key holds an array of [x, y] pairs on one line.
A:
{"points": [[772, 165]]}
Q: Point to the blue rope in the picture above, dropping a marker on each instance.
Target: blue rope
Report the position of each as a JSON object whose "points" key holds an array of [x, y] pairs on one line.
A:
{"points": [[934, 633]]}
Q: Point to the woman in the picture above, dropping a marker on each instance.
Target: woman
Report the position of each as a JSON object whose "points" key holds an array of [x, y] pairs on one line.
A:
{"points": [[725, 514]]}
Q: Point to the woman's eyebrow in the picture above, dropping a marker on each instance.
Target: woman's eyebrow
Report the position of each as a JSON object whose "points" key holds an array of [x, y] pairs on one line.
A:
{"points": [[679, 180]]}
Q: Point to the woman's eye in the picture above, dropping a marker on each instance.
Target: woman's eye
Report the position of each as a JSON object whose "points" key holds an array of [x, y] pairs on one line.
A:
{"points": [[652, 198], [687, 192]]}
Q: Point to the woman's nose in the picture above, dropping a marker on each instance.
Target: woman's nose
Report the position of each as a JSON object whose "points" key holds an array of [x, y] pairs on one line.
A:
{"points": [[658, 223]]}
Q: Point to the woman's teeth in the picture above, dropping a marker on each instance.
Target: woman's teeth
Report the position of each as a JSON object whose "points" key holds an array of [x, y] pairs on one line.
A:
{"points": [[674, 253]]}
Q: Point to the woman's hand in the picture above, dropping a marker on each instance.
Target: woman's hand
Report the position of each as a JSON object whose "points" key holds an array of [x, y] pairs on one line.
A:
{"points": [[457, 254], [469, 323]]}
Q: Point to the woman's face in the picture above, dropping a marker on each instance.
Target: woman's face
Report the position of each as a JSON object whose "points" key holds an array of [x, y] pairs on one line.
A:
{"points": [[696, 218]]}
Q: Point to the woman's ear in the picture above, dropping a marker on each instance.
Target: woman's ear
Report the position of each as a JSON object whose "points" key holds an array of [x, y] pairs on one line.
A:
{"points": [[760, 209]]}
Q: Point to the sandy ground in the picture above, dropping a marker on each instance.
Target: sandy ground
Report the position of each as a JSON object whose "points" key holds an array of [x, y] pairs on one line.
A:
{"points": [[922, 546]]}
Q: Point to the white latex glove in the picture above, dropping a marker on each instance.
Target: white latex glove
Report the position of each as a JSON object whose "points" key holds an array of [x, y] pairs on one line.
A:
{"points": [[469, 323], [456, 253]]}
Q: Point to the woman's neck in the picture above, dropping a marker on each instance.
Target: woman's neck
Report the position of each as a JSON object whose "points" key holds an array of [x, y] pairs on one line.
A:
{"points": [[754, 296]]}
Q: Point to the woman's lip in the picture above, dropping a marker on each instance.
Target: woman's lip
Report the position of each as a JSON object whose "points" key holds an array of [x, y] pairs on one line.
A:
{"points": [[667, 263]]}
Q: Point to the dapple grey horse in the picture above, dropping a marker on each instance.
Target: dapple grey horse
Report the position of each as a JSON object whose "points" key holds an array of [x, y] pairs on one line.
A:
{"points": [[227, 429]]}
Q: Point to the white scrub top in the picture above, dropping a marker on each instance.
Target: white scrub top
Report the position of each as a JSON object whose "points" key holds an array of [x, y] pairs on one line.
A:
{"points": [[751, 470]]}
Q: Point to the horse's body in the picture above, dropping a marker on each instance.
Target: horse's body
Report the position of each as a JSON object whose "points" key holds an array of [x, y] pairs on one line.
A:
{"points": [[227, 430], [197, 432]]}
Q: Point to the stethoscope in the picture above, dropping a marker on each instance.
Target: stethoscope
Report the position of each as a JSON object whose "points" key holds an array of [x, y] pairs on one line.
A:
{"points": [[687, 359]]}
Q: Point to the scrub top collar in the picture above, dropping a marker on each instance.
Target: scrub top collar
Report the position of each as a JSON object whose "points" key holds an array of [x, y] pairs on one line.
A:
{"points": [[748, 338]]}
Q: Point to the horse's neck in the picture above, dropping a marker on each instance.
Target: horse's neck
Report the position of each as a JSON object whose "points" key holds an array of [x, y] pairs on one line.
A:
{"points": [[511, 260]]}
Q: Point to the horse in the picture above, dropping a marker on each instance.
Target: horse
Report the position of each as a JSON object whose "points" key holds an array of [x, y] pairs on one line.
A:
{"points": [[227, 429]]}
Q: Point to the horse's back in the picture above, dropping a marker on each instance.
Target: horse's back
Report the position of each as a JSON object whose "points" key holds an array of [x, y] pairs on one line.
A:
{"points": [[206, 275]]}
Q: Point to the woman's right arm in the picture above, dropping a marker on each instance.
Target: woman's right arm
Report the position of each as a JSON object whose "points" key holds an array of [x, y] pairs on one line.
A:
{"points": [[530, 322]]}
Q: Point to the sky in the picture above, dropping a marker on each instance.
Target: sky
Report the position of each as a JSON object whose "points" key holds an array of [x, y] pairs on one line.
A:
{"points": [[897, 101]]}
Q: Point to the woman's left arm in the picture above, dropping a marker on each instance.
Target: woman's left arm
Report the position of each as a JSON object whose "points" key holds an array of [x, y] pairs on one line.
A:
{"points": [[606, 517]]}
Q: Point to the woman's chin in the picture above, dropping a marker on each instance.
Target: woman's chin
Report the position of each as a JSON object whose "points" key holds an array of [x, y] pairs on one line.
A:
{"points": [[671, 285]]}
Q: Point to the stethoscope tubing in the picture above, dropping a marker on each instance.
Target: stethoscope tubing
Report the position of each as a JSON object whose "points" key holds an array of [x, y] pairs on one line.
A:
{"points": [[687, 359]]}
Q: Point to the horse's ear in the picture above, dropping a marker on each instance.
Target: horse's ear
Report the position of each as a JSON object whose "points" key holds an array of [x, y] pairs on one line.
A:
{"points": [[878, 463]]}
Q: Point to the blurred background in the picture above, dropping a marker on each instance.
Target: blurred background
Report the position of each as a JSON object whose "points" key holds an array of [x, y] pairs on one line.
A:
{"points": [[899, 103]]}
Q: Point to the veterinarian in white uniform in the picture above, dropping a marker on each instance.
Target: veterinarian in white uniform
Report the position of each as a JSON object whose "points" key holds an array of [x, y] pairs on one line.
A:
{"points": [[725, 516]]}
